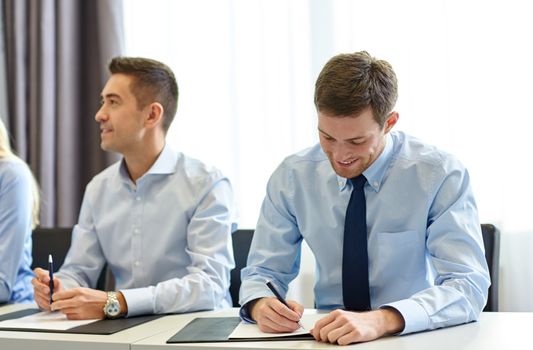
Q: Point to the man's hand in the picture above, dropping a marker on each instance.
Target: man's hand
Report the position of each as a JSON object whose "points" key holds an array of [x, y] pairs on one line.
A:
{"points": [[345, 327], [274, 317], [80, 303], [41, 289]]}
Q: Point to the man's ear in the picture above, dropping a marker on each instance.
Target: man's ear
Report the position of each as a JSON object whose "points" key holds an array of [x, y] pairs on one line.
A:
{"points": [[391, 121], [155, 115]]}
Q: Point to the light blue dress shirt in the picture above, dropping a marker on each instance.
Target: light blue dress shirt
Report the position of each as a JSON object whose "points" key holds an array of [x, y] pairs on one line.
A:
{"points": [[15, 231], [426, 255], [167, 238]]}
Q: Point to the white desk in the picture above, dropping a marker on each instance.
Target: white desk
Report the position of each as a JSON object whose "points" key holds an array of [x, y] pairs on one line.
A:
{"points": [[58, 341], [508, 331], [494, 331]]}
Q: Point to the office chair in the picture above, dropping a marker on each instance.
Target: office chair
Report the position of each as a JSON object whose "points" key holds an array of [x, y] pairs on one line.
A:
{"points": [[241, 246], [56, 241], [491, 241]]}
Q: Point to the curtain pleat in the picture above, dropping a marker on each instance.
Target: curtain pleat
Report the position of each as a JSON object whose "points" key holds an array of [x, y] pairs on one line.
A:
{"points": [[56, 54]]}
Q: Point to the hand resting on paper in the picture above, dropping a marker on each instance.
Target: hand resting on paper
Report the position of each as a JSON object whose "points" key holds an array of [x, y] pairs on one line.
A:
{"points": [[347, 327]]}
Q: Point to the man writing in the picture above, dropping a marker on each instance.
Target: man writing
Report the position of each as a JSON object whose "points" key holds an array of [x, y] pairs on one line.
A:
{"points": [[161, 221], [391, 221]]}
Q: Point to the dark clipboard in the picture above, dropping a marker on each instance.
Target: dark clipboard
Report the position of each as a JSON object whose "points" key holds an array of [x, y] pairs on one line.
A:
{"points": [[102, 327], [218, 329]]}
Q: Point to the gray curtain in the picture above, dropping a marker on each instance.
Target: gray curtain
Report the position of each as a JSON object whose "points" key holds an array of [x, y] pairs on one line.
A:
{"points": [[56, 55], [3, 80]]}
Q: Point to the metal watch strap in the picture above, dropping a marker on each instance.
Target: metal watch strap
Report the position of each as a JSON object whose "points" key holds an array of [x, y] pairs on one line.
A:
{"points": [[112, 300]]}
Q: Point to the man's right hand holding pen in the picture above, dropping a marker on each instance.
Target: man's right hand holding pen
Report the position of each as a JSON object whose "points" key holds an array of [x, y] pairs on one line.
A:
{"points": [[41, 287], [275, 315]]}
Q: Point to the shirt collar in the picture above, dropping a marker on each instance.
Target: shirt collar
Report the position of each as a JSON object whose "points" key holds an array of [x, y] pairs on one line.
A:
{"points": [[375, 172], [164, 164]]}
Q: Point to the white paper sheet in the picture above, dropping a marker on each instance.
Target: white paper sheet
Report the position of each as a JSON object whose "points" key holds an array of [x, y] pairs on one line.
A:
{"points": [[247, 330], [44, 320]]}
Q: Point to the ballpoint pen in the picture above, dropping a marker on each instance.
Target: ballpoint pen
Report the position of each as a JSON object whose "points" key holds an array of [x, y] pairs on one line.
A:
{"points": [[280, 298], [51, 274]]}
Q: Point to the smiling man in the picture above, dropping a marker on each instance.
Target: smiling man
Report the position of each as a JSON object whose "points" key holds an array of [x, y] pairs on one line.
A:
{"points": [[391, 221], [161, 220]]}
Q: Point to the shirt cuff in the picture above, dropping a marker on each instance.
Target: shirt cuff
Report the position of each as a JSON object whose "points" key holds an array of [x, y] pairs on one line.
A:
{"points": [[415, 317], [244, 313], [139, 301]]}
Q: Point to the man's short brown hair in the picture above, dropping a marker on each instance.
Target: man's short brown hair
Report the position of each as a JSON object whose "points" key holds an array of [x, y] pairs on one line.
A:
{"points": [[152, 81], [349, 83]]}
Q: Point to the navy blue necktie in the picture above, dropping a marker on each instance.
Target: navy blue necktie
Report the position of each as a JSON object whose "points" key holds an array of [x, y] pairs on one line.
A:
{"points": [[355, 289]]}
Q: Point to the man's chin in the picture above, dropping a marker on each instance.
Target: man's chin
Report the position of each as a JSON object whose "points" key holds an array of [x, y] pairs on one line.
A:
{"points": [[347, 172], [106, 147]]}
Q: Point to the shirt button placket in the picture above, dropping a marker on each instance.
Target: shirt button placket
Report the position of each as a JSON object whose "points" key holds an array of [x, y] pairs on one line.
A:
{"points": [[136, 241]]}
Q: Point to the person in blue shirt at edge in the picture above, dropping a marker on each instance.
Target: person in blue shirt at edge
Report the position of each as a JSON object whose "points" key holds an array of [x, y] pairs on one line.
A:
{"points": [[161, 220], [426, 263], [19, 214]]}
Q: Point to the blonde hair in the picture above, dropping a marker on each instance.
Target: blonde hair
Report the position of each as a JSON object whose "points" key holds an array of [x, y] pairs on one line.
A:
{"points": [[7, 153]]}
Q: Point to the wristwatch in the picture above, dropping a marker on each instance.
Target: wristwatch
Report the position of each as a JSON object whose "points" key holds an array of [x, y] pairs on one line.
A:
{"points": [[112, 306]]}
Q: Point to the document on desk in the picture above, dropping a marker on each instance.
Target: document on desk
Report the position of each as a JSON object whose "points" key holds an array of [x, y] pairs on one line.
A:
{"points": [[35, 320], [252, 331], [232, 329], [44, 321]]}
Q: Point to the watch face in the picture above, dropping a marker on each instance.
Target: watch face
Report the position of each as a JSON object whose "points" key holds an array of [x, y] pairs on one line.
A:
{"points": [[112, 306], [112, 309]]}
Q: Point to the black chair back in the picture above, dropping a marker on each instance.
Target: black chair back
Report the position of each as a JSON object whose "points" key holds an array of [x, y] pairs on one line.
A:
{"points": [[241, 247], [491, 240], [56, 241]]}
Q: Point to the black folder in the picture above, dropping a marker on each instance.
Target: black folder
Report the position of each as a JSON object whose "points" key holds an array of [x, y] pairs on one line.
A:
{"points": [[218, 329], [102, 327]]}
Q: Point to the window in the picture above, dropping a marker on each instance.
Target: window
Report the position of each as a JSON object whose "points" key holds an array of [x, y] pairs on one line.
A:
{"points": [[246, 71]]}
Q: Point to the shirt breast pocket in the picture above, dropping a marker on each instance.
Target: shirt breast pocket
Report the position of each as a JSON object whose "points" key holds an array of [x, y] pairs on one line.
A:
{"points": [[402, 253], [402, 238]]}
